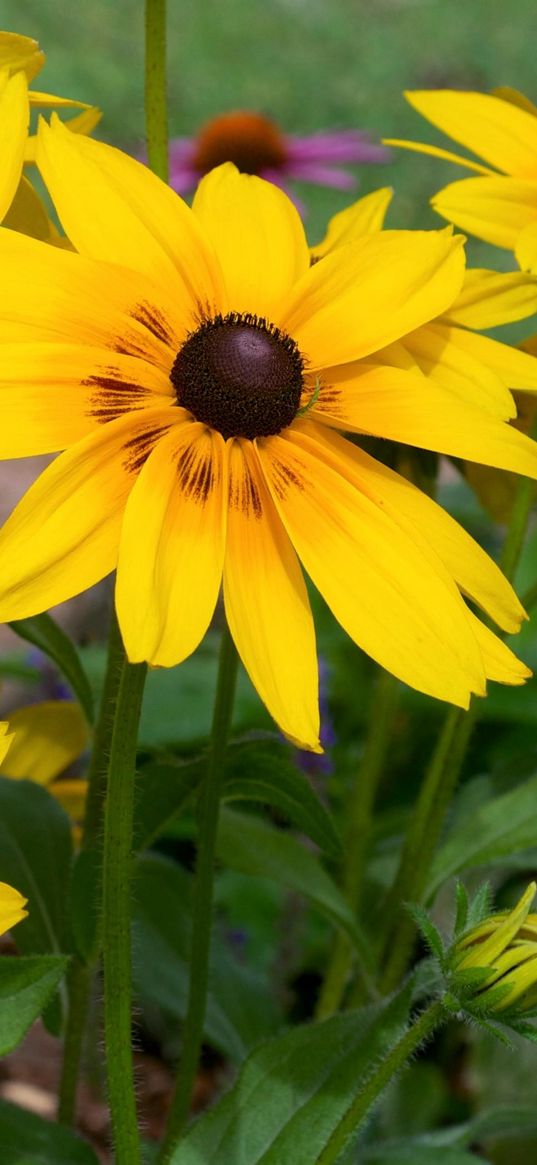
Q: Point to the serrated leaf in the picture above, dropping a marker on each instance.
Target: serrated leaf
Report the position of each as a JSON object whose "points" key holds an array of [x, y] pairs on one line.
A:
{"points": [[252, 846], [293, 1091], [42, 632], [240, 1010], [35, 857], [501, 827], [267, 775], [26, 986], [27, 1139]]}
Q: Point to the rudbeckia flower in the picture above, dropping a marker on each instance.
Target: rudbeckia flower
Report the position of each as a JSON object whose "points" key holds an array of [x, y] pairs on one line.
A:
{"points": [[499, 206], [495, 962], [193, 364], [20, 61], [256, 145]]}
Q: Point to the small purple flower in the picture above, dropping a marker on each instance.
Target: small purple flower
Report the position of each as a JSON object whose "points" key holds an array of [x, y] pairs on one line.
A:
{"points": [[257, 146]]}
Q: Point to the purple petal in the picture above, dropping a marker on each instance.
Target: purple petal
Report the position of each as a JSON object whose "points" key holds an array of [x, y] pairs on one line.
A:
{"points": [[183, 178], [341, 146], [321, 175]]}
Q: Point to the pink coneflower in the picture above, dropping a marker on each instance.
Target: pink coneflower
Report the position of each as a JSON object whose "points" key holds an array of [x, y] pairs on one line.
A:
{"points": [[257, 146]]}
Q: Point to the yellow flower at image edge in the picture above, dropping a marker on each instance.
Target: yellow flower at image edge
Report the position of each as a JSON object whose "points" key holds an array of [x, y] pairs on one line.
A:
{"points": [[506, 945], [499, 206], [20, 61], [194, 366], [11, 902]]}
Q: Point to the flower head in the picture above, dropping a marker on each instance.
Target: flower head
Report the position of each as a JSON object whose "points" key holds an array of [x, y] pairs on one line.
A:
{"points": [[494, 964], [20, 61], [500, 205], [256, 145], [195, 366]]}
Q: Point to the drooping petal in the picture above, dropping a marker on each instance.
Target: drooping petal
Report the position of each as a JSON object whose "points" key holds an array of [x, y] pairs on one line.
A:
{"points": [[515, 368], [393, 403], [370, 292], [64, 534], [14, 120], [494, 209], [11, 907], [267, 603], [172, 547], [438, 152], [52, 395], [113, 208], [496, 130], [444, 355], [391, 595], [501, 664], [82, 301], [488, 299], [48, 738], [364, 217], [474, 571], [257, 234], [20, 53]]}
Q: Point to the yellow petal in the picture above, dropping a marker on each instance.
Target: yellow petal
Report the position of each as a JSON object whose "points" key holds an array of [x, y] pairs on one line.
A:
{"points": [[364, 217], [11, 907], [52, 395], [113, 208], [83, 123], [515, 368], [437, 152], [370, 292], [20, 52], [474, 571], [27, 213], [14, 121], [81, 301], [391, 596], [445, 355], [71, 795], [488, 299], [526, 248], [500, 662], [267, 603], [48, 738], [392, 403], [502, 931], [172, 547], [496, 130], [50, 100], [494, 209], [6, 739], [257, 234], [505, 93], [64, 534]]}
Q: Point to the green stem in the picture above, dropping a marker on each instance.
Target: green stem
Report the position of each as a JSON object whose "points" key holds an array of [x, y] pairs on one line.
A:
{"points": [[116, 934], [360, 811], [203, 895], [421, 1030], [156, 107], [440, 782], [80, 975], [78, 986]]}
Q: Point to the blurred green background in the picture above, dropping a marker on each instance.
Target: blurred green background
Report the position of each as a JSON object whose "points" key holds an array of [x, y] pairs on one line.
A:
{"points": [[310, 64]]}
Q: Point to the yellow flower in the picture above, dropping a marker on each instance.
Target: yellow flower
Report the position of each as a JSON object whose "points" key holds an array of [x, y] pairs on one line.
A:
{"points": [[505, 944], [45, 740], [173, 357], [20, 61], [11, 907], [500, 205]]}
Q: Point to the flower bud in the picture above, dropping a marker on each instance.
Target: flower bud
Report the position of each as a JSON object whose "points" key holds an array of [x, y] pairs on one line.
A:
{"points": [[494, 965]]}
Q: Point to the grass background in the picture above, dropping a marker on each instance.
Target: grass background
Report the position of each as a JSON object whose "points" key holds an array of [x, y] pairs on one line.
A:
{"points": [[311, 64]]}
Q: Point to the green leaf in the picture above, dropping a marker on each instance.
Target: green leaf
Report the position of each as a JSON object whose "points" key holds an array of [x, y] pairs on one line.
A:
{"points": [[44, 633], [35, 857], [294, 1090], [162, 790], [26, 1139], [266, 774], [26, 986], [463, 904], [429, 931], [240, 1011], [415, 1154], [252, 846], [84, 902], [497, 829]]}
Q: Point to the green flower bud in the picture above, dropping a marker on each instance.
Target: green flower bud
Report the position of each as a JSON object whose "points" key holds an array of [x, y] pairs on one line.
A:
{"points": [[494, 964]]}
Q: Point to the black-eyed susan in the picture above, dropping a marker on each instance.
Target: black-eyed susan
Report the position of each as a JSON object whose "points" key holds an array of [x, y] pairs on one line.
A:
{"points": [[493, 965], [21, 60], [191, 364], [500, 205]]}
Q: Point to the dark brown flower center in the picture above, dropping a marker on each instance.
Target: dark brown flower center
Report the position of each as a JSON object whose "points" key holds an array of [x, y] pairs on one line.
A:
{"points": [[249, 140], [240, 375]]}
